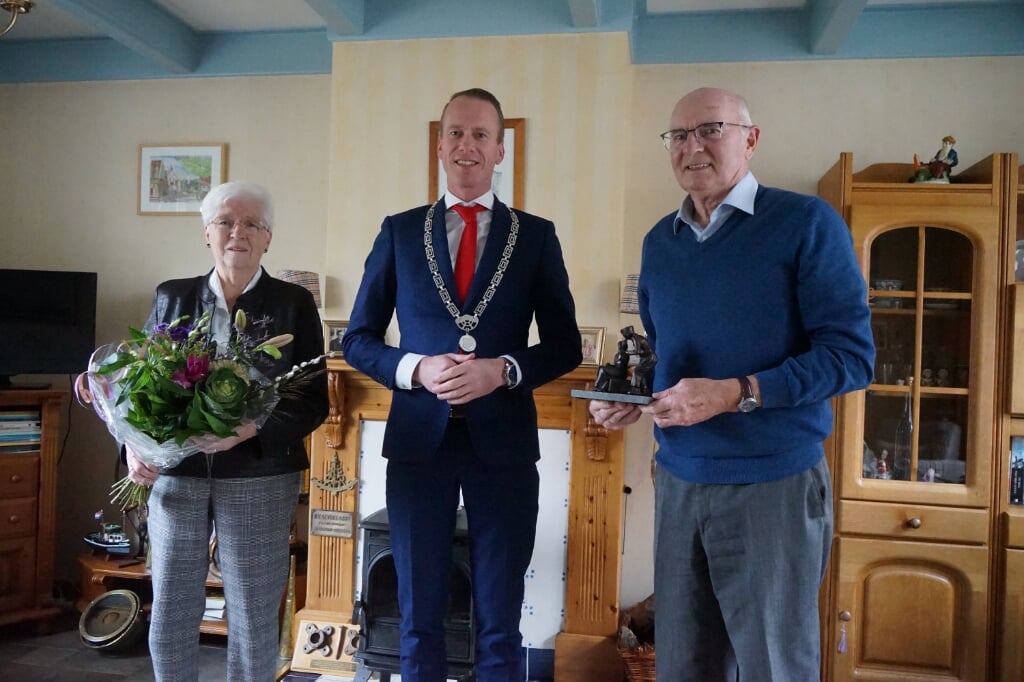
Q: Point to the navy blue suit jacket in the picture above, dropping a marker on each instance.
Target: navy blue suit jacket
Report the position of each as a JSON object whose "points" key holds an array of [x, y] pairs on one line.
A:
{"points": [[397, 280]]}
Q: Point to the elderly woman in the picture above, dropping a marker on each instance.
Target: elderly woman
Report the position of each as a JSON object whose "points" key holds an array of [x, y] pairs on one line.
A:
{"points": [[247, 485]]}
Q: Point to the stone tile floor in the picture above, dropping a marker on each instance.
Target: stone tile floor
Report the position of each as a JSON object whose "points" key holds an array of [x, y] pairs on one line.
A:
{"points": [[60, 656]]}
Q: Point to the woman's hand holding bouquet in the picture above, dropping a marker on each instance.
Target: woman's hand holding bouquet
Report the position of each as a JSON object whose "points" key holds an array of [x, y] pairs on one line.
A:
{"points": [[171, 393]]}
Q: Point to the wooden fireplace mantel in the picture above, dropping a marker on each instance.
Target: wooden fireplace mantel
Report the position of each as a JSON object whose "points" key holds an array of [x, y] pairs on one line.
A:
{"points": [[585, 649]]}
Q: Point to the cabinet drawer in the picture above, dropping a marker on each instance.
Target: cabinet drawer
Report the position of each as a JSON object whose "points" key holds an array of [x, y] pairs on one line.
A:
{"points": [[1014, 523], [17, 517], [17, 573], [19, 476], [913, 522]]}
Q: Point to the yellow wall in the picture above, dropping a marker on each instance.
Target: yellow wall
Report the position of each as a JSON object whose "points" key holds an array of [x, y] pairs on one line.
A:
{"points": [[340, 151]]}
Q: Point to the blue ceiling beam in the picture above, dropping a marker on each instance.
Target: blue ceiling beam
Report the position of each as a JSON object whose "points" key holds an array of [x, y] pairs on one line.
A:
{"points": [[277, 53], [831, 22], [142, 26], [990, 29], [419, 19], [585, 13], [995, 29], [718, 36], [343, 17]]}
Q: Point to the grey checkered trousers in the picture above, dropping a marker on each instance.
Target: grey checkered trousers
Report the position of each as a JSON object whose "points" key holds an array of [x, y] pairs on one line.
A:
{"points": [[252, 518]]}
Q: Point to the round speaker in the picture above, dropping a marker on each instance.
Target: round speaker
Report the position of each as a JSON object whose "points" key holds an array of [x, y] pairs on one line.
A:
{"points": [[113, 621]]}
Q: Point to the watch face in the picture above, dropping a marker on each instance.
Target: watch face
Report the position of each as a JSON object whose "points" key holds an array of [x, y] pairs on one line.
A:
{"points": [[748, 405], [511, 376]]}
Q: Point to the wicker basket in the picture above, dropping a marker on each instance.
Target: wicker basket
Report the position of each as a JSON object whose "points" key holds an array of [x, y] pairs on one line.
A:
{"points": [[639, 663]]}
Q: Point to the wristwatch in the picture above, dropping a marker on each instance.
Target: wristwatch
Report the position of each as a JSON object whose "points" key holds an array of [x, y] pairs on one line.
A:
{"points": [[511, 374], [748, 401]]}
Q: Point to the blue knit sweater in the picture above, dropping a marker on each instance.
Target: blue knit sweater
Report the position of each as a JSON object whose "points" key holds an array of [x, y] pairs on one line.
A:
{"points": [[778, 294]]}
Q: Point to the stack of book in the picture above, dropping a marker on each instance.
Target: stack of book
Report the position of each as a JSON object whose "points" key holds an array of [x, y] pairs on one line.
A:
{"points": [[20, 431], [214, 606]]}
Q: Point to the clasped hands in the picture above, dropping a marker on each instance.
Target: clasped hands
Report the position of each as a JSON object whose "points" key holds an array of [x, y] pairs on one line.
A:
{"points": [[458, 379], [688, 402]]}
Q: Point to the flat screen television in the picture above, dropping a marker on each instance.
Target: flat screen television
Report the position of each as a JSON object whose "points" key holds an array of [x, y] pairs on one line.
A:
{"points": [[47, 322]]}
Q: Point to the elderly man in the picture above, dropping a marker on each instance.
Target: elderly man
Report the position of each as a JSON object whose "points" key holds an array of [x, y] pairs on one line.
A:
{"points": [[755, 305]]}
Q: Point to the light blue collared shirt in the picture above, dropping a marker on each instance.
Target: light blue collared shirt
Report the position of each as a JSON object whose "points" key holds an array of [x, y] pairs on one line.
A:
{"points": [[741, 197]]}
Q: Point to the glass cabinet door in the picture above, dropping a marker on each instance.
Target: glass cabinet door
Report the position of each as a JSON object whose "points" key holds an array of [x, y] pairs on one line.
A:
{"points": [[916, 419], [921, 433]]}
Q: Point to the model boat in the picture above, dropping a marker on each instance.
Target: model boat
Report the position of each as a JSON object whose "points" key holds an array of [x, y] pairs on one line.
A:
{"points": [[111, 537]]}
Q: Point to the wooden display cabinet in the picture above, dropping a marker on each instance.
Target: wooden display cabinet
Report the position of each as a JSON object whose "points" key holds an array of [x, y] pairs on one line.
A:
{"points": [[911, 590], [1009, 594], [1015, 364], [1011, 600], [28, 504]]}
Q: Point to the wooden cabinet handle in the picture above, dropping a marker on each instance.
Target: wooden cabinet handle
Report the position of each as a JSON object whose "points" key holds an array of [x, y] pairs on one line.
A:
{"points": [[845, 616], [913, 522], [16, 478], [14, 518]]}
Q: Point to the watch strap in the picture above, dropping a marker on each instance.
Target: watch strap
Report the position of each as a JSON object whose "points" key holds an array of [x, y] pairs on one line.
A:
{"points": [[746, 390], [748, 400]]}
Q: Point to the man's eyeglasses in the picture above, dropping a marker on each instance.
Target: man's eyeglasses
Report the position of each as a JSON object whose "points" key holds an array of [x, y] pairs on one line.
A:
{"points": [[250, 226], [705, 132]]}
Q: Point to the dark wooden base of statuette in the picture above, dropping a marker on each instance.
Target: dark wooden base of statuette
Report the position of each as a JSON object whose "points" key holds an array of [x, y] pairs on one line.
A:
{"points": [[611, 397]]}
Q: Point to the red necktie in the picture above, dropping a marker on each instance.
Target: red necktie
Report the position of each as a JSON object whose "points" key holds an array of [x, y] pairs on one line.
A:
{"points": [[465, 260]]}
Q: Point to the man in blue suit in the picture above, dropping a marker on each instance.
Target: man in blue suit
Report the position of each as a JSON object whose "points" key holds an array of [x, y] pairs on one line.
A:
{"points": [[462, 414]]}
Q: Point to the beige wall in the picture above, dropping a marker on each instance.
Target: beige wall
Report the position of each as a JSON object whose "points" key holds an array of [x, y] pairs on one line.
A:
{"points": [[341, 151]]}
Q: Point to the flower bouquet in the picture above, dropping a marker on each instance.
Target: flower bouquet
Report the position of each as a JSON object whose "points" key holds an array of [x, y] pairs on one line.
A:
{"points": [[169, 393]]}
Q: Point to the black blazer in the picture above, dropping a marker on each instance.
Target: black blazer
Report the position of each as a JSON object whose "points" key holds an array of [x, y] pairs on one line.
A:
{"points": [[279, 448]]}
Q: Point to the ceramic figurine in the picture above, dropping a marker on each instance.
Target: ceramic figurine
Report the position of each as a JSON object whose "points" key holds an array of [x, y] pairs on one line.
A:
{"points": [[937, 170]]}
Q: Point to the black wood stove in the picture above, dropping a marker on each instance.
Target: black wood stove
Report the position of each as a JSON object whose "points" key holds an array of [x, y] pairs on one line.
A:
{"points": [[378, 616]]}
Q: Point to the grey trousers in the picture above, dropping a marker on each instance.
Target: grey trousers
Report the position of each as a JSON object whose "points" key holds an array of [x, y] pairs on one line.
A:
{"points": [[737, 570], [253, 518]]}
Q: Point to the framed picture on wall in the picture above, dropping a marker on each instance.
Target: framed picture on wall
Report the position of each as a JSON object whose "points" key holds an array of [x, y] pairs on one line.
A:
{"points": [[507, 181], [592, 339], [173, 179], [333, 331]]}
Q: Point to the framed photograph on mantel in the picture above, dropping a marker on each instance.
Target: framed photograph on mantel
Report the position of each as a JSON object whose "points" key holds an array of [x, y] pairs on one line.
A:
{"points": [[173, 179], [507, 182], [334, 330], [592, 339]]}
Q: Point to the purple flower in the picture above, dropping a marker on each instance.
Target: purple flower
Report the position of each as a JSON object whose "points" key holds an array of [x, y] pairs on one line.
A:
{"points": [[195, 370], [176, 333], [179, 333]]}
